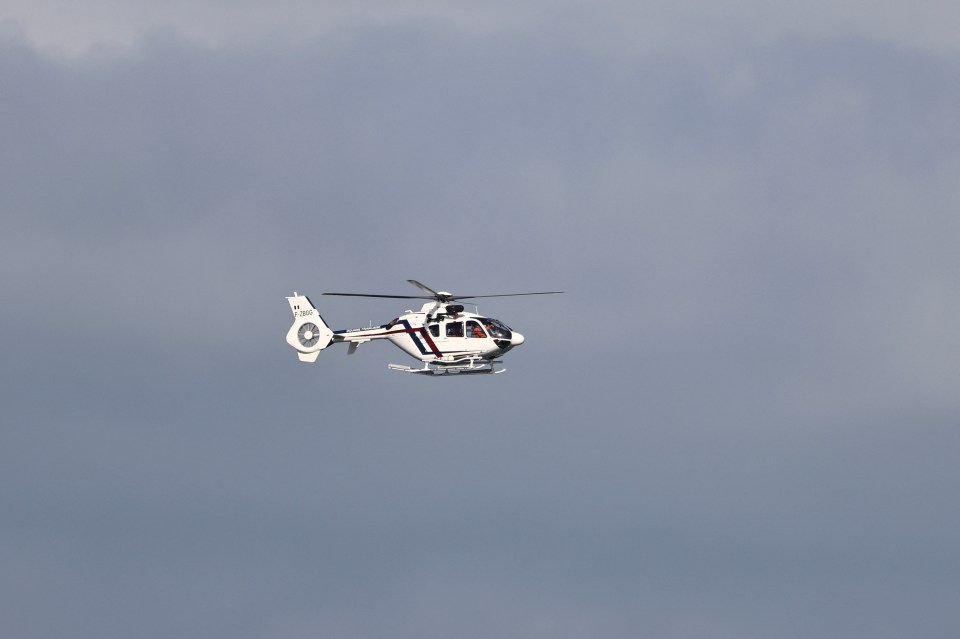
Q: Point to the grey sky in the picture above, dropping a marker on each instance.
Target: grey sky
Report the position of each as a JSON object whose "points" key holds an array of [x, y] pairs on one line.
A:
{"points": [[742, 419], [67, 27]]}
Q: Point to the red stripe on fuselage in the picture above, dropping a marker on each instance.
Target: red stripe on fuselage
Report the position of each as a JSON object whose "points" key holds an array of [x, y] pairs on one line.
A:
{"points": [[433, 347]]}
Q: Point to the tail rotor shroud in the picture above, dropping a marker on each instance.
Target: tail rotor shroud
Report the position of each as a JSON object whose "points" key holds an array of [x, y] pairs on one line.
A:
{"points": [[308, 334]]}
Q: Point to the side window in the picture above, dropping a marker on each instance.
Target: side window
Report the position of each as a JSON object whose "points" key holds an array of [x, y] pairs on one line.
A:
{"points": [[454, 329], [435, 330], [474, 330]]}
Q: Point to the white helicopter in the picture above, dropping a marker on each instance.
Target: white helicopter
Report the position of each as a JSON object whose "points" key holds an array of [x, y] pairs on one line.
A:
{"points": [[445, 338]]}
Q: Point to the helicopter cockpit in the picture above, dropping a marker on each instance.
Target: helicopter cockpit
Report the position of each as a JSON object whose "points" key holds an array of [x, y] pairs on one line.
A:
{"points": [[495, 328]]}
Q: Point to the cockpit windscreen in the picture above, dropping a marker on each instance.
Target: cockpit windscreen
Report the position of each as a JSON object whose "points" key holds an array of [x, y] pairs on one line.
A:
{"points": [[495, 328]]}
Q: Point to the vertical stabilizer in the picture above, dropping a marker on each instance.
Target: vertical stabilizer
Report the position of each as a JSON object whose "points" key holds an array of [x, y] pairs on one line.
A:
{"points": [[309, 334]]}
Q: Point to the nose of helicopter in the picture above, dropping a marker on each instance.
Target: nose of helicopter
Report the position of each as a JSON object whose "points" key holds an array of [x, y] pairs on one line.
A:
{"points": [[516, 339]]}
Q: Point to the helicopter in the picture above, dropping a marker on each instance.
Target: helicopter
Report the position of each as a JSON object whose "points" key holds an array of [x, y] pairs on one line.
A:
{"points": [[444, 337]]}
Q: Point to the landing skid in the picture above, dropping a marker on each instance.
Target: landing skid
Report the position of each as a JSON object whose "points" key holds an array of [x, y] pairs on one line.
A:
{"points": [[471, 368]]}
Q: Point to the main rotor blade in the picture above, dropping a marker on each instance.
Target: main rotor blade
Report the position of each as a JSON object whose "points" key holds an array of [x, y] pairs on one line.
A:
{"points": [[395, 297], [471, 297], [437, 296], [425, 288]]}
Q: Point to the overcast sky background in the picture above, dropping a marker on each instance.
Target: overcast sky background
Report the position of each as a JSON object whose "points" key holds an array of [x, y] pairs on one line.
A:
{"points": [[742, 419]]}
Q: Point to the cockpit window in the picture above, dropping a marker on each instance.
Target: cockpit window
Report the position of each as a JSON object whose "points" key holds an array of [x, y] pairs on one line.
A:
{"points": [[454, 329], [474, 330], [435, 330], [496, 328]]}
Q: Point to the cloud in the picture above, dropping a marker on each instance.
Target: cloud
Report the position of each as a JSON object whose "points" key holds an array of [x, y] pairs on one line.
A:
{"points": [[59, 26], [740, 416]]}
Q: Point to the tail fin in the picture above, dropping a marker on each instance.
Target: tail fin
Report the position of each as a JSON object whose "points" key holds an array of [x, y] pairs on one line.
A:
{"points": [[309, 334]]}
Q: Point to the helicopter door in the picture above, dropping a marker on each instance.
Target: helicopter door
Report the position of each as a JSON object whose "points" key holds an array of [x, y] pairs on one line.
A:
{"points": [[474, 330]]}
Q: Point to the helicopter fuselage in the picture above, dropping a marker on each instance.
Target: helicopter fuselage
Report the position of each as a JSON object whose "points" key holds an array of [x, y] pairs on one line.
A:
{"points": [[437, 336]]}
